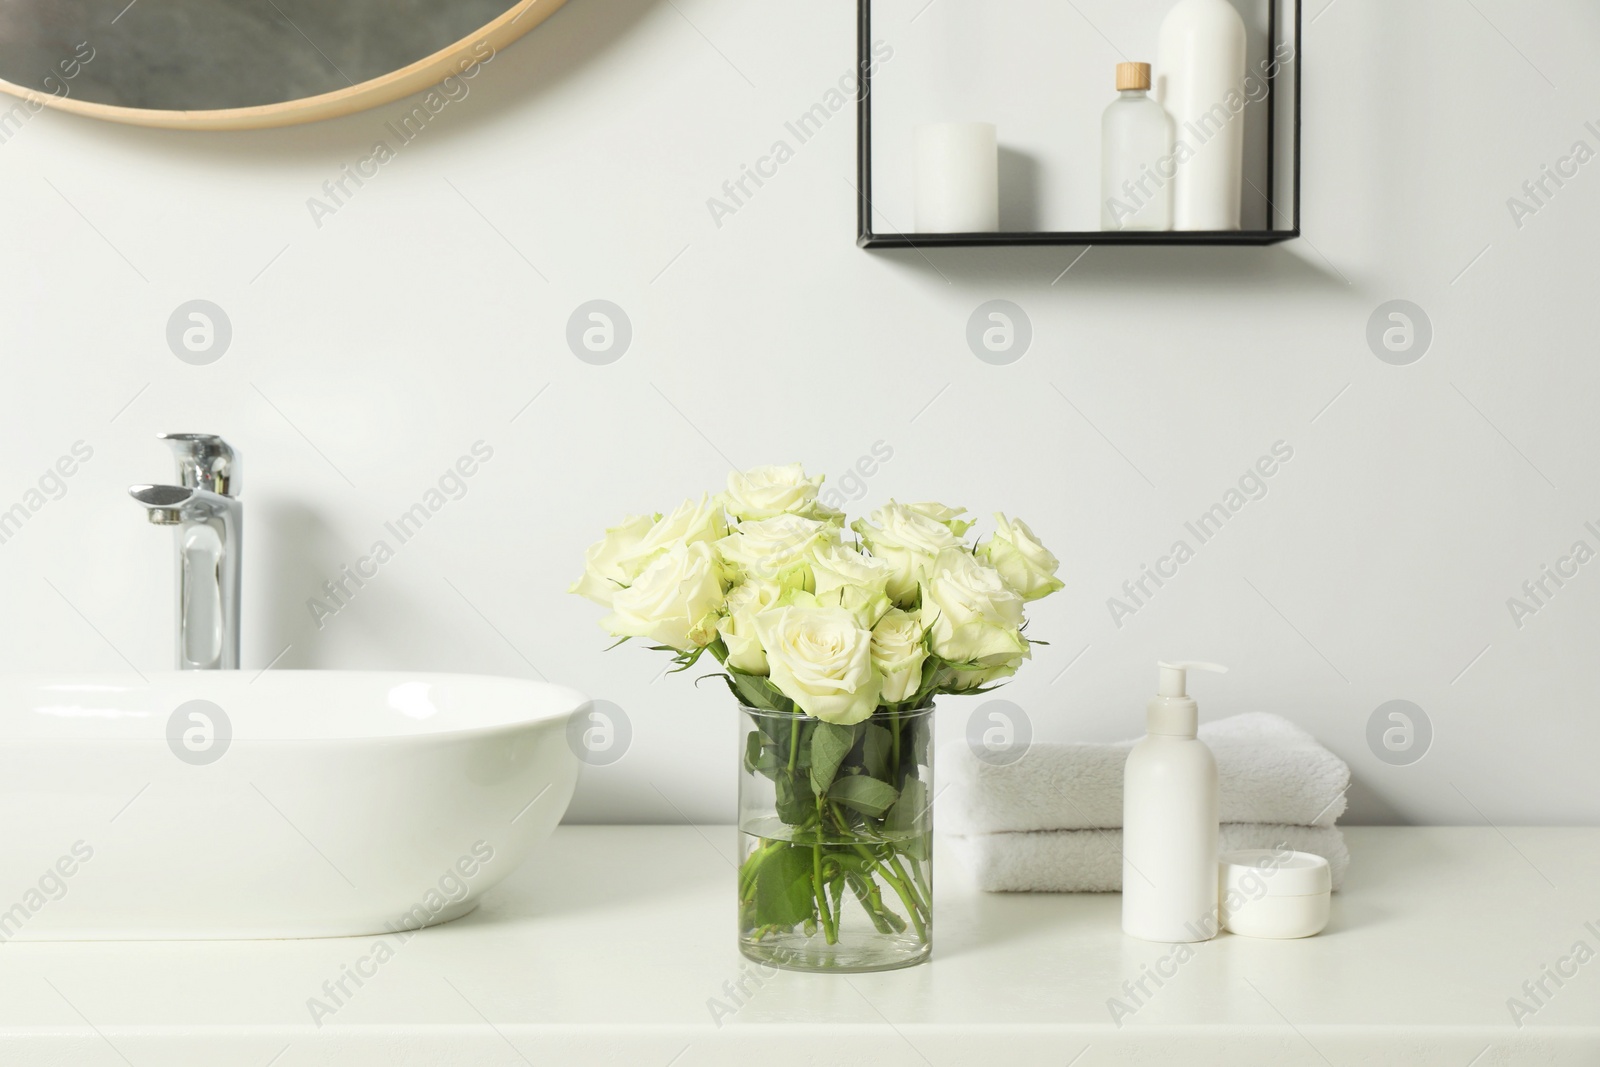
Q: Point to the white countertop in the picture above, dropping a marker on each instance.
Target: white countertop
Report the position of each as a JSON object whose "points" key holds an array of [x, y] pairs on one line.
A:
{"points": [[610, 945]]}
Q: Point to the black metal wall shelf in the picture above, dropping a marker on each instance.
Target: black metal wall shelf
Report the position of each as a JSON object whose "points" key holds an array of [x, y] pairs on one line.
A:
{"points": [[1280, 31]]}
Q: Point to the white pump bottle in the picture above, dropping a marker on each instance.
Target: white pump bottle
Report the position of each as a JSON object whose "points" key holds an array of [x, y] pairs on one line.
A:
{"points": [[1169, 821]]}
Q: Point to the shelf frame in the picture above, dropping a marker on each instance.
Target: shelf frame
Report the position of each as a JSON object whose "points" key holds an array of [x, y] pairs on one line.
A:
{"points": [[867, 237]]}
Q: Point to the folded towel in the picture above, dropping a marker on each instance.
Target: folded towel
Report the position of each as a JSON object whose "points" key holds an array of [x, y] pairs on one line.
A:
{"points": [[1268, 770], [1090, 861]]}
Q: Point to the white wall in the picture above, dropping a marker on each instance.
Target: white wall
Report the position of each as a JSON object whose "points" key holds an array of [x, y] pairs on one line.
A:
{"points": [[376, 349]]}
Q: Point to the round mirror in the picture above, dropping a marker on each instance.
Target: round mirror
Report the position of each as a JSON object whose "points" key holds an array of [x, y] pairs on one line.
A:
{"points": [[243, 64]]}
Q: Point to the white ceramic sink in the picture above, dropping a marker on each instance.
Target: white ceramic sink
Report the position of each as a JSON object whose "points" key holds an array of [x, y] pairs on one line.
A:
{"points": [[315, 803]]}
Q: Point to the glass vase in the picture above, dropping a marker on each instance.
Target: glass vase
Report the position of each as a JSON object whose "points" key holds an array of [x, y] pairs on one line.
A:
{"points": [[836, 841]]}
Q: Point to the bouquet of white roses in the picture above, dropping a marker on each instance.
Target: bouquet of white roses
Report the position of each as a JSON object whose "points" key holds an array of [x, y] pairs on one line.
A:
{"points": [[834, 639], [804, 618]]}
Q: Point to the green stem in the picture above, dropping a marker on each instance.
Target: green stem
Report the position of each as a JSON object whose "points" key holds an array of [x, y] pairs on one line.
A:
{"points": [[906, 897], [922, 880], [830, 929], [910, 901], [872, 903], [838, 817], [918, 904], [836, 887], [894, 768], [794, 741], [910, 885]]}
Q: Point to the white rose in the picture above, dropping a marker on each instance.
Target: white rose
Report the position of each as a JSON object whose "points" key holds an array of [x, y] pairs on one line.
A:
{"points": [[1025, 564], [738, 628], [867, 606], [898, 652], [612, 563], [848, 579], [693, 521], [948, 517], [674, 602], [766, 492], [779, 548], [822, 660], [974, 617], [841, 565], [908, 541]]}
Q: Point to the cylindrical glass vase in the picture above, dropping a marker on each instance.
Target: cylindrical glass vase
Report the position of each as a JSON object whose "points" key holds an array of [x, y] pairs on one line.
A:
{"points": [[836, 841]]}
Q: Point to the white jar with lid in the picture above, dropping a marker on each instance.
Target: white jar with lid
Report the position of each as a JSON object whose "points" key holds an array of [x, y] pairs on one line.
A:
{"points": [[1279, 893]]}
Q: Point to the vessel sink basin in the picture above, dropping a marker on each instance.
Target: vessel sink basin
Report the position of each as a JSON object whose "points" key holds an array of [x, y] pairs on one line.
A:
{"points": [[238, 804]]}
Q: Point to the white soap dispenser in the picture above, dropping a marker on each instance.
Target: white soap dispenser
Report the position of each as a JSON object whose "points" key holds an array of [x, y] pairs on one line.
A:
{"points": [[1169, 820]]}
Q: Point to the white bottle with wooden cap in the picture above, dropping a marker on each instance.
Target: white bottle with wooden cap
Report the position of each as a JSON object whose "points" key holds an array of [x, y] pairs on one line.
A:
{"points": [[1136, 164], [1169, 820]]}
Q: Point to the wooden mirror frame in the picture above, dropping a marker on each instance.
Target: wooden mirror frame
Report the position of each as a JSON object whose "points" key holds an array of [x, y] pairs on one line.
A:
{"points": [[424, 73]]}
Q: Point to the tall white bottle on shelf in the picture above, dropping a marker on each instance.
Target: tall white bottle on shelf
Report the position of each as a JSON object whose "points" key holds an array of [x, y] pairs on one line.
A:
{"points": [[1169, 820], [1200, 62]]}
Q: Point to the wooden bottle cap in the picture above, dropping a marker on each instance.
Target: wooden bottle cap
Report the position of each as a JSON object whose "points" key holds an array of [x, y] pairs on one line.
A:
{"points": [[1133, 76]]}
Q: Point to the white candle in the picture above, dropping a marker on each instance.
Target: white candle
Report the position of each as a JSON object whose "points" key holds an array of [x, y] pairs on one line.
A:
{"points": [[957, 178]]}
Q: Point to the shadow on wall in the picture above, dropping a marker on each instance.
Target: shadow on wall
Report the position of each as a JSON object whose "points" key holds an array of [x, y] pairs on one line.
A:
{"points": [[1020, 180], [1371, 808], [303, 561], [300, 553], [574, 37], [1116, 270]]}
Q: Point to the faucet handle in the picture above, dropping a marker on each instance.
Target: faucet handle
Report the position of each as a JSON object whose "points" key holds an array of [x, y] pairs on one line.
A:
{"points": [[205, 461]]}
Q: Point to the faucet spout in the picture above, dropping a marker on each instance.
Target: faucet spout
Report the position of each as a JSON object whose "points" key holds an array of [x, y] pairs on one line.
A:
{"points": [[161, 502], [208, 519]]}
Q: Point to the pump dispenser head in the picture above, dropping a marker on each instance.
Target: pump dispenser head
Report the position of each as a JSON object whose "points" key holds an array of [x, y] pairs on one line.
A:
{"points": [[1174, 676], [1172, 713]]}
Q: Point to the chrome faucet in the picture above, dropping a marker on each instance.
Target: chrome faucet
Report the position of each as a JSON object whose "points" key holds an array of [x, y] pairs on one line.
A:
{"points": [[205, 509]]}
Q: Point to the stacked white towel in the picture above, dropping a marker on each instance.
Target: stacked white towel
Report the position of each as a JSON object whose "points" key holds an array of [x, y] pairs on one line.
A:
{"points": [[1051, 821]]}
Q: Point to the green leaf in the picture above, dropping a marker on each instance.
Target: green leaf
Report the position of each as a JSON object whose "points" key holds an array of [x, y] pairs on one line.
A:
{"points": [[757, 691], [876, 745], [784, 895], [801, 739], [752, 750], [751, 690], [795, 802], [684, 660], [917, 846], [830, 744], [908, 813], [865, 794], [728, 678]]}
